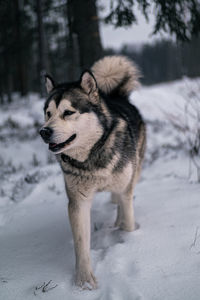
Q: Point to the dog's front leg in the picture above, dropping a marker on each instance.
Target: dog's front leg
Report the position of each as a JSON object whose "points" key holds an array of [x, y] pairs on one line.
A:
{"points": [[79, 215]]}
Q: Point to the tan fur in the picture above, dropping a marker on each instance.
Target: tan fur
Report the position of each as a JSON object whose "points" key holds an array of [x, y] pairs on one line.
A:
{"points": [[110, 71], [81, 184], [81, 192], [103, 179], [85, 126]]}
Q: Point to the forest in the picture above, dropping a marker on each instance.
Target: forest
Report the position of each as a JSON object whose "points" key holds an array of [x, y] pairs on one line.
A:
{"points": [[62, 38], [160, 259]]}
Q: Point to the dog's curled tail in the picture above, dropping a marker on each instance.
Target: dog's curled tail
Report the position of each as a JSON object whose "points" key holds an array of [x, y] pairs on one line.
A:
{"points": [[116, 75]]}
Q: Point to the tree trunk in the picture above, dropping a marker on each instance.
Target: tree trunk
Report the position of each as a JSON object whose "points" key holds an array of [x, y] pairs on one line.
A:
{"points": [[8, 77], [72, 53], [18, 39], [42, 55], [7, 66], [86, 26]]}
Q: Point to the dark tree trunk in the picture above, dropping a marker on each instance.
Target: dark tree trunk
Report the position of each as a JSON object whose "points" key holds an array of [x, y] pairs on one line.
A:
{"points": [[86, 26], [8, 77], [1, 98], [18, 39], [7, 66], [42, 54], [71, 76]]}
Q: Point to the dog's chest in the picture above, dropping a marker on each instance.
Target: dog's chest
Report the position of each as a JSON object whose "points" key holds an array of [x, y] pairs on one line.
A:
{"points": [[98, 180]]}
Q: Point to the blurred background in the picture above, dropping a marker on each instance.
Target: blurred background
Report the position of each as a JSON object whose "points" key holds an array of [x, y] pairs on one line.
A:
{"points": [[63, 37]]}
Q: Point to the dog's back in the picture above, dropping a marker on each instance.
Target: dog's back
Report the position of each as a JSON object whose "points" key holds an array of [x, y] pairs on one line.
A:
{"points": [[117, 77], [122, 142], [99, 138]]}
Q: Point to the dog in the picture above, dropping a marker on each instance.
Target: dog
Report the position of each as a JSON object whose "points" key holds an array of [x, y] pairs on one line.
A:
{"points": [[99, 140]]}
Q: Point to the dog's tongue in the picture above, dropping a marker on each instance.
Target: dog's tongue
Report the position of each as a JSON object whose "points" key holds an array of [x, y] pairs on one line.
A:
{"points": [[52, 145]]}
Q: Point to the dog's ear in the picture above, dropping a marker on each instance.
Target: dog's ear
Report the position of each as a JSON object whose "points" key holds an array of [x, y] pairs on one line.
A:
{"points": [[49, 83], [88, 83]]}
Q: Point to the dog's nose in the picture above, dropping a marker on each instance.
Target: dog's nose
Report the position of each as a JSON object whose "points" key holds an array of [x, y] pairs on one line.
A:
{"points": [[46, 133]]}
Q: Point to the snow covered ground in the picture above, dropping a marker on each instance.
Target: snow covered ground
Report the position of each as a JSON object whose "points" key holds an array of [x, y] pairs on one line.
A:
{"points": [[159, 261]]}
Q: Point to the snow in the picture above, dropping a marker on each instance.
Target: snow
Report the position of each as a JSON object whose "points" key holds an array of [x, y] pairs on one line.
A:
{"points": [[160, 260]]}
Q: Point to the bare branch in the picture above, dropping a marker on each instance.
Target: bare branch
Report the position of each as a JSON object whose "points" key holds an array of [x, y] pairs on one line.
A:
{"points": [[45, 287]]}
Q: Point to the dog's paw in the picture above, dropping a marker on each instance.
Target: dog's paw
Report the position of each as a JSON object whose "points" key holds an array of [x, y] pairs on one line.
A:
{"points": [[86, 280], [129, 227]]}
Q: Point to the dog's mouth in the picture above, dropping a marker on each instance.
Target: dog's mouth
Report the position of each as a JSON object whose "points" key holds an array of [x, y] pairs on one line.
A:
{"points": [[56, 147]]}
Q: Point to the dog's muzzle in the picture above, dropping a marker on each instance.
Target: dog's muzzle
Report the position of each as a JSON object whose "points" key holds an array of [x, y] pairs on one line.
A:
{"points": [[56, 147]]}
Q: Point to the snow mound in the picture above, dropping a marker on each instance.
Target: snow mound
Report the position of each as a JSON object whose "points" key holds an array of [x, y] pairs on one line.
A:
{"points": [[160, 260]]}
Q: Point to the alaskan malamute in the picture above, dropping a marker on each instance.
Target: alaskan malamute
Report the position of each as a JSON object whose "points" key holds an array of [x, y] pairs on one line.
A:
{"points": [[99, 140]]}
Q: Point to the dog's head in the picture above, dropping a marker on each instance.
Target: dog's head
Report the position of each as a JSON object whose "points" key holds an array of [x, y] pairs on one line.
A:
{"points": [[71, 120]]}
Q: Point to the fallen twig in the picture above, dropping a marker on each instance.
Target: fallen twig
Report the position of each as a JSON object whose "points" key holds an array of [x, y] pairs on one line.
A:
{"points": [[45, 287], [196, 236]]}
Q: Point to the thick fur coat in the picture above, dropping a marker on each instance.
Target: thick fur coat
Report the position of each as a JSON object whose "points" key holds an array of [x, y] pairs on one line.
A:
{"points": [[99, 140]]}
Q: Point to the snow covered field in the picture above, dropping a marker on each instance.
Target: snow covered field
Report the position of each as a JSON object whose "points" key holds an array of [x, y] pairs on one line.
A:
{"points": [[159, 261]]}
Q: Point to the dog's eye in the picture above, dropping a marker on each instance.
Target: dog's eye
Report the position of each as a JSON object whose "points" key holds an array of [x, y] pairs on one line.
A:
{"points": [[48, 114], [68, 113]]}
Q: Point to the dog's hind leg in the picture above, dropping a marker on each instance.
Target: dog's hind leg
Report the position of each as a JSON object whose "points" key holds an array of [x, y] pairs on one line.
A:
{"points": [[116, 198], [125, 213], [79, 214]]}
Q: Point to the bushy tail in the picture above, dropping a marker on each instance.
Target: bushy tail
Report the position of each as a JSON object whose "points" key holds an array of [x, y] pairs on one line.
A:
{"points": [[116, 74]]}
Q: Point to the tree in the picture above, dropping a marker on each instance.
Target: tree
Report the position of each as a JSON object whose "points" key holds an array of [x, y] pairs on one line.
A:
{"points": [[178, 17], [41, 46], [71, 42], [62, 37], [85, 24], [15, 44], [19, 50]]}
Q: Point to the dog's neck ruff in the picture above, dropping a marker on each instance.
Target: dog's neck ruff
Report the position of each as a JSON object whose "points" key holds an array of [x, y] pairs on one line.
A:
{"points": [[95, 150]]}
